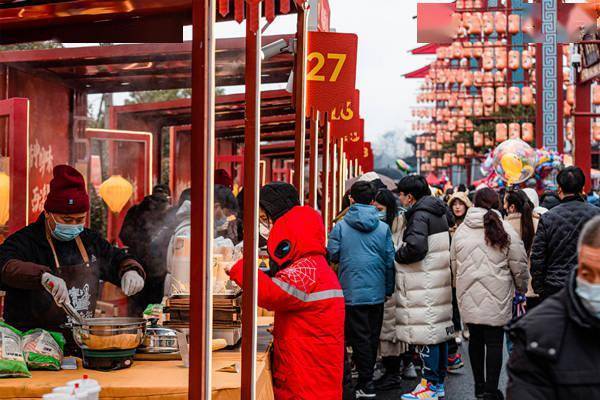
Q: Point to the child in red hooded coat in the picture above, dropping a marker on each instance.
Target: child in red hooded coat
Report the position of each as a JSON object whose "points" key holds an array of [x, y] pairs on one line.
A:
{"points": [[309, 309]]}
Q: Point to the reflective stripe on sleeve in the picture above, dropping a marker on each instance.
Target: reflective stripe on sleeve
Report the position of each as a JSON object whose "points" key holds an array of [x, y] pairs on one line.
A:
{"points": [[306, 297]]}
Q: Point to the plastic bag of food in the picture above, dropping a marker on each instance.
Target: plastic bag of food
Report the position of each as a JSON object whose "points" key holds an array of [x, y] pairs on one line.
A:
{"points": [[43, 349], [12, 362]]}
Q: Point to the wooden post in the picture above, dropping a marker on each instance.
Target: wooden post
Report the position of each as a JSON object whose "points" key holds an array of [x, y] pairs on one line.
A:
{"points": [[314, 160], [583, 125], [300, 99]]}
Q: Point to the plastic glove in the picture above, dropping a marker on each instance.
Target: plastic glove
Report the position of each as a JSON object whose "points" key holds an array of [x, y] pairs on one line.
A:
{"points": [[56, 287], [131, 283]]}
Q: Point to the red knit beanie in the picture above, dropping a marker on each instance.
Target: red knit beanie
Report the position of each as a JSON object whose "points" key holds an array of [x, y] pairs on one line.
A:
{"points": [[68, 194], [222, 177]]}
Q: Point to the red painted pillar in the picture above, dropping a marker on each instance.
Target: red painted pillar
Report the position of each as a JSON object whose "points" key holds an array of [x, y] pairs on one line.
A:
{"points": [[560, 99], [300, 100], [539, 97], [583, 125]]}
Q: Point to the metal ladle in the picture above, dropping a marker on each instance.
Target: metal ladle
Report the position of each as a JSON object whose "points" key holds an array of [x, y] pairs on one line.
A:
{"points": [[68, 308]]}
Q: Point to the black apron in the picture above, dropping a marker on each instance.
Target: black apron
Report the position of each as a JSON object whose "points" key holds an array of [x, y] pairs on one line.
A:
{"points": [[83, 284]]}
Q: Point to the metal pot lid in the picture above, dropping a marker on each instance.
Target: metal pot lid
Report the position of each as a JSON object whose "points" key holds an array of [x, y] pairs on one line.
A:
{"points": [[160, 331]]}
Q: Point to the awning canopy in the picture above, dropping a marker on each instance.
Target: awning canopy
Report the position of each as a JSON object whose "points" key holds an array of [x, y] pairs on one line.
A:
{"points": [[135, 67], [277, 115], [112, 21], [426, 49]]}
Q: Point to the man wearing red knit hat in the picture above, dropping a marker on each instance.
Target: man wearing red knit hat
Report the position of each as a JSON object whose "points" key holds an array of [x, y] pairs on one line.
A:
{"points": [[57, 260]]}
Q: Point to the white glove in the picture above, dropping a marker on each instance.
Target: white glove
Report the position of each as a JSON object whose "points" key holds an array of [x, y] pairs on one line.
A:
{"points": [[56, 287], [131, 283]]}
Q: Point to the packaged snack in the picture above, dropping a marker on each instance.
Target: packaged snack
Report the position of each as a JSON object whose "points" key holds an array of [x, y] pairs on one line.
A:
{"points": [[12, 362], [43, 349]]}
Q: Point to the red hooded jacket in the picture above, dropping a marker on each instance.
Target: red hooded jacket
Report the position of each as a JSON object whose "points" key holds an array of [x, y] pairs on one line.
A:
{"points": [[309, 309]]}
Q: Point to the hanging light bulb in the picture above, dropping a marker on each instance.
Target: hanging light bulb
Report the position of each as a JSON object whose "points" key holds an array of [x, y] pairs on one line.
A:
{"points": [[4, 198], [116, 192]]}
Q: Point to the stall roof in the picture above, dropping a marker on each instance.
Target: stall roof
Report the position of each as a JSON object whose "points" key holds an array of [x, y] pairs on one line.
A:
{"points": [[110, 20], [277, 114], [134, 67]]}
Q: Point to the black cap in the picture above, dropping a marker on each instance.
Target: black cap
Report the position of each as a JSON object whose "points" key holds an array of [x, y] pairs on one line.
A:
{"points": [[277, 198]]}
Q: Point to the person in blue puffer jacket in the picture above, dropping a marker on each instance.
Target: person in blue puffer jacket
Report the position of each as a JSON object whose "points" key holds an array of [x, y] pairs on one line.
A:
{"points": [[362, 245]]}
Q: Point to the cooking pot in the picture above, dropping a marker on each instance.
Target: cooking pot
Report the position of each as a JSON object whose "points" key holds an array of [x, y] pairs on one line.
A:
{"points": [[117, 333]]}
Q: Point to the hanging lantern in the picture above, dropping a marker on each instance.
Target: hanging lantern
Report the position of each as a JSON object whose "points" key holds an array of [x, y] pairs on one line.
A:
{"points": [[477, 4], [488, 78], [469, 125], [596, 131], [478, 108], [514, 131], [514, 96], [468, 79], [571, 94], [478, 78], [116, 192], [460, 4], [501, 58], [514, 20], [596, 94], [570, 131], [527, 95], [513, 59], [500, 22], [488, 23], [475, 24], [4, 198], [526, 60], [467, 50], [567, 109], [460, 149], [468, 4], [477, 49], [488, 96], [477, 139], [502, 96], [501, 132], [468, 107], [527, 132], [499, 77], [487, 62]]}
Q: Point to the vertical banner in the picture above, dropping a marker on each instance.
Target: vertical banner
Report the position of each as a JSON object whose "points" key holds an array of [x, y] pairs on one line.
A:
{"points": [[354, 143], [331, 70], [367, 162]]}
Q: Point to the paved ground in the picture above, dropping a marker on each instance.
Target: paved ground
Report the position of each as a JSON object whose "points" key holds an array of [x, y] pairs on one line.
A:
{"points": [[459, 386]]}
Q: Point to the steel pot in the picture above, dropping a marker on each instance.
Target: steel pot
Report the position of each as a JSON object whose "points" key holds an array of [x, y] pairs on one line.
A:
{"points": [[159, 339], [109, 333]]}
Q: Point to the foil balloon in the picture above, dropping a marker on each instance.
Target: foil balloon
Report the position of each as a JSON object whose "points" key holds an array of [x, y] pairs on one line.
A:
{"points": [[514, 161]]}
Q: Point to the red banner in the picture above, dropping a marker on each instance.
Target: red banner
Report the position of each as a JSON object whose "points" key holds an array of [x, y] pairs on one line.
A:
{"points": [[331, 70], [345, 119], [354, 143], [367, 162]]}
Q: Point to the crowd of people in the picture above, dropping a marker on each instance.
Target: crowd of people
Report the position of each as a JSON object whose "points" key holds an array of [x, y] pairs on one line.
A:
{"points": [[405, 276]]}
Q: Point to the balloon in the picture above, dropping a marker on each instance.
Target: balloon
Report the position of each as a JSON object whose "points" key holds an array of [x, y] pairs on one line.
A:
{"points": [[514, 161]]}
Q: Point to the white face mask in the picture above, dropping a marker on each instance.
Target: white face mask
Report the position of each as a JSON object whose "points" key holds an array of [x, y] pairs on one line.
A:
{"points": [[589, 294], [264, 230]]}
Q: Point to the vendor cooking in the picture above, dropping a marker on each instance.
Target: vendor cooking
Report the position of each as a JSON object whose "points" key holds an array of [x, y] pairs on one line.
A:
{"points": [[56, 259]]}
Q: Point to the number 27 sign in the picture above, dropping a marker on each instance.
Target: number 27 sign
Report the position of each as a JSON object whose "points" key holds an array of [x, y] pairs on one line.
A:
{"points": [[331, 69]]}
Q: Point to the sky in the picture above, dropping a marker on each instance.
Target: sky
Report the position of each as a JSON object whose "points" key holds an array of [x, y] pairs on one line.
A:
{"points": [[386, 32]]}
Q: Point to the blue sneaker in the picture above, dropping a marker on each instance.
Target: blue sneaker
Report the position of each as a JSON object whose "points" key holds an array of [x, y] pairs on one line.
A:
{"points": [[440, 390], [455, 362]]}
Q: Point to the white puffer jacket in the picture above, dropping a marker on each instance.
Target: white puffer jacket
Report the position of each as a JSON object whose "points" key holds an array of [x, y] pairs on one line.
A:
{"points": [[486, 277]]}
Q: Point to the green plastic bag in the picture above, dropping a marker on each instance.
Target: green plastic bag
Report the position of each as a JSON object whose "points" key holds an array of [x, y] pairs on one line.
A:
{"points": [[12, 362], [43, 349]]}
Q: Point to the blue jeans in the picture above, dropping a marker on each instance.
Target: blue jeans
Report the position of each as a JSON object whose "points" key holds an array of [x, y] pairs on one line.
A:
{"points": [[435, 362]]}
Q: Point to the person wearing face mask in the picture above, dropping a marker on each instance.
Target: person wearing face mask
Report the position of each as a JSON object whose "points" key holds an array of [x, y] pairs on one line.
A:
{"points": [[56, 260], [556, 353], [226, 209]]}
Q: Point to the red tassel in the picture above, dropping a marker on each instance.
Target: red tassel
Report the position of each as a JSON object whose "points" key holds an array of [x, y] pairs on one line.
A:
{"points": [[284, 6], [270, 10], [239, 10], [223, 7]]}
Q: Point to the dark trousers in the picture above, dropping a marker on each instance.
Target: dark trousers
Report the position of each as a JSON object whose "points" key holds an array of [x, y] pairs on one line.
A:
{"points": [[435, 362], [363, 327], [452, 345], [485, 350], [392, 363]]}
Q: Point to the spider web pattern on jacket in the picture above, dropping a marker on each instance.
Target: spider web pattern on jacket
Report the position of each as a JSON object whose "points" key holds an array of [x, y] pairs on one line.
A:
{"points": [[301, 274]]}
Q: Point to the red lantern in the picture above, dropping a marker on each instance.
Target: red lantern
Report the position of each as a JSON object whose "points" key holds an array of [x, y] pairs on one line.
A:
{"points": [[460, 4], [475, 24], [513, 23], [488, 96], [478, 108], [501, 58], [501, 96], [513, 59], [478, 78], [527, 96], [501, 132], [514, 131], [514, 96], [460, 149], [596, 95], [477, 49], [527, 129], [487, 62], [596, 131], [477, 139], [499, 77], [571, 94], [500, 23], [488, 23], [526, 60], [468, 79]]}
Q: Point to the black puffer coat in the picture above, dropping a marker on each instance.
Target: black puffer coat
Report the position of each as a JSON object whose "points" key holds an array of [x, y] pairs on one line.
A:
{"points": [[558, 363], [427, 217], [554, 250]]}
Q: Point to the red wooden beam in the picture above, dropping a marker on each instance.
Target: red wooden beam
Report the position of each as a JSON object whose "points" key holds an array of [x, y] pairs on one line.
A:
{"points": [[583, 126], [199, 329]]}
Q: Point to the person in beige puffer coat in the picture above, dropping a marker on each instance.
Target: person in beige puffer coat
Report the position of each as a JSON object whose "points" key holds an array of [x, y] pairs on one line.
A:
{"points": [[489, 262]]}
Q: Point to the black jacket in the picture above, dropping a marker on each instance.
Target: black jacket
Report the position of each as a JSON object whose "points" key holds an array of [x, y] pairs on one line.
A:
{"points": [[556, 351], [26, 255], [554, 250], [427, 217]]}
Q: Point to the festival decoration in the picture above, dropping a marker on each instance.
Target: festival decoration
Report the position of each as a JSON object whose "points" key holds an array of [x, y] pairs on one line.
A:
{"points": [[116, 192], [514, 161]]}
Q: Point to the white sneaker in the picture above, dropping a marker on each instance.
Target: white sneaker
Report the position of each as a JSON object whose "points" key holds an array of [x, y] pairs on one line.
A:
{"points": [[423, 391], [409, 372]]}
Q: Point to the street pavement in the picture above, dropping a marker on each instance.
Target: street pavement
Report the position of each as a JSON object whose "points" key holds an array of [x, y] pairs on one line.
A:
{"points": [[459, 385]]}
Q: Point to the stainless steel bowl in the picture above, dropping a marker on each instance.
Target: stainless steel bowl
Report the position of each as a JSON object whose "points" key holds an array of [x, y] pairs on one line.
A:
{"points": [[159, 340], [109, 333]]}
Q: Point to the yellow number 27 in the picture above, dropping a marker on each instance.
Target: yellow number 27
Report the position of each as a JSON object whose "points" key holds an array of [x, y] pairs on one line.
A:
{"points": [[313, 75]]}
